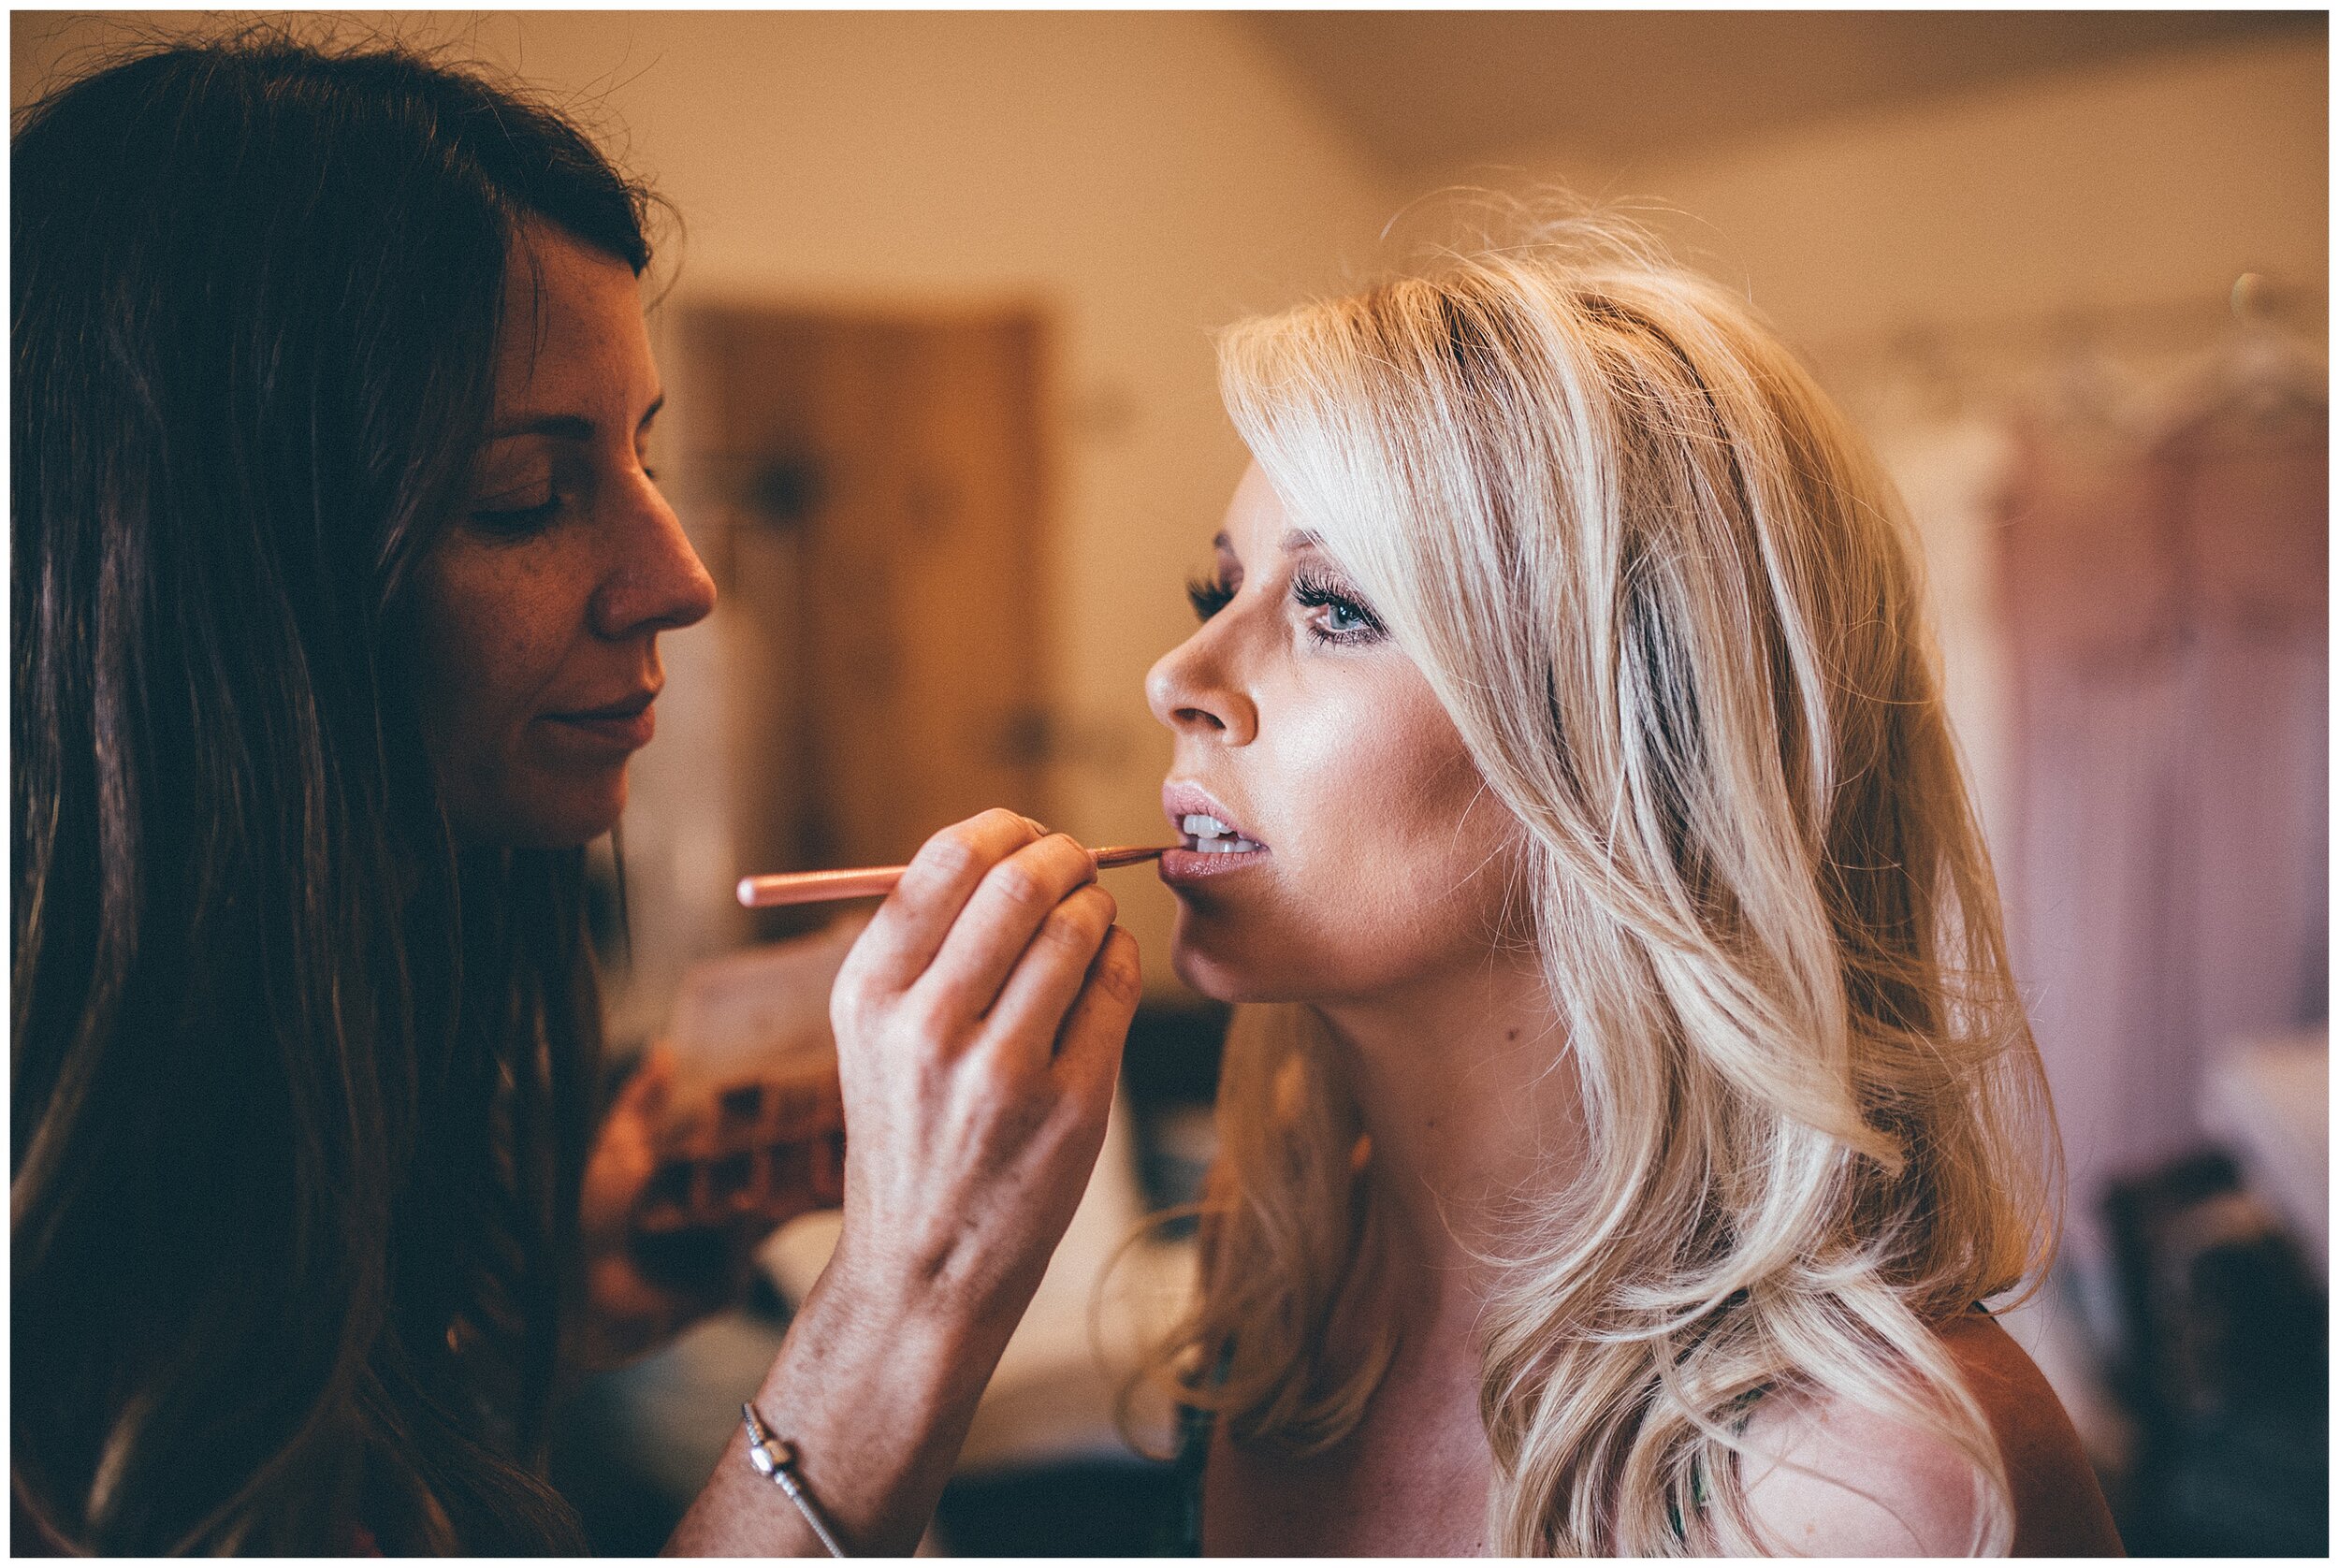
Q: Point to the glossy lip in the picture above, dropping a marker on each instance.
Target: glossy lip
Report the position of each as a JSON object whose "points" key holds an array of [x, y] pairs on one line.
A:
{"points": [[1181, 799], [627, 724]]}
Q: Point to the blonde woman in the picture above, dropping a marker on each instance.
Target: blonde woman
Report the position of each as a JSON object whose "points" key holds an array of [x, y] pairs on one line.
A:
{"points": [[1630, 1110]]}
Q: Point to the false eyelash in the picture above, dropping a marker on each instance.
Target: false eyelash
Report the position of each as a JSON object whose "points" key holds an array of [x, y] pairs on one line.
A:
{"points": [[1208, 595], [1318, 593]]}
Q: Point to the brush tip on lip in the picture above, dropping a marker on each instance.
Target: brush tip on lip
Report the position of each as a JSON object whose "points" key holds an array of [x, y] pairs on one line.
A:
{"points": [[1129, 854]]}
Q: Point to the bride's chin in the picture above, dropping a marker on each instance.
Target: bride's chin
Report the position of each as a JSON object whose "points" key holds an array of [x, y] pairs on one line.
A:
{"points": [[1202, 976], [1211, 975]]}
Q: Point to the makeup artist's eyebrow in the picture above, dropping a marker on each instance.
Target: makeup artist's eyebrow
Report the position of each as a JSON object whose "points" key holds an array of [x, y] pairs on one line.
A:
{"points": [[564, 426]]}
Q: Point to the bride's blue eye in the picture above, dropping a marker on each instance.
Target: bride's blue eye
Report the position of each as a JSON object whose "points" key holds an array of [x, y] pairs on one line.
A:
{"points": [[1345, 617]]}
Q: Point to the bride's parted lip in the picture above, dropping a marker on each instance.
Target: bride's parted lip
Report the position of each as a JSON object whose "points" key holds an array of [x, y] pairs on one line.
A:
{"points": [[1182, 801]]}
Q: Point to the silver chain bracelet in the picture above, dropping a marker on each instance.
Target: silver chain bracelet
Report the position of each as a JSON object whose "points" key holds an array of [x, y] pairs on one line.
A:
{"points": [[776, 1463]]}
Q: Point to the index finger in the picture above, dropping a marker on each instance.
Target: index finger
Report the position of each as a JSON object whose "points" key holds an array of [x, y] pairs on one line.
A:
{"points": [[917, 914]]}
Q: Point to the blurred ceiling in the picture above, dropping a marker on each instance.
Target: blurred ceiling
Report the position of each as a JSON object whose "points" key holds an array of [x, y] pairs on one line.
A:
{"points": [[1423, 89]]}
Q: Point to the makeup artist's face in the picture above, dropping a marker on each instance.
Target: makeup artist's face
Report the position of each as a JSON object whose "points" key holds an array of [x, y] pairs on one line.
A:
{"points": [[541, 604], [1352, 852]]}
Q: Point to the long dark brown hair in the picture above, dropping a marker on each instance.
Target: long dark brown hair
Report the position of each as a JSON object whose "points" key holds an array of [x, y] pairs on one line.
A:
{"points": [[301, 1086]]}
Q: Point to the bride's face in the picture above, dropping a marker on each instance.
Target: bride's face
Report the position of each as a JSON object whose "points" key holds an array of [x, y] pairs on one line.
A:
{"points": [[1339, 842]]}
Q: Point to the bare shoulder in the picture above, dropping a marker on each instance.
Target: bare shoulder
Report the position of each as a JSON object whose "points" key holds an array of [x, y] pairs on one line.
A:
{"points": [[1829, 1478], [1826, 1477]]}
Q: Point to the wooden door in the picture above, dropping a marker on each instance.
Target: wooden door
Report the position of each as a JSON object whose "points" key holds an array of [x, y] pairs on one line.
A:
{"points": [[878, 549]]}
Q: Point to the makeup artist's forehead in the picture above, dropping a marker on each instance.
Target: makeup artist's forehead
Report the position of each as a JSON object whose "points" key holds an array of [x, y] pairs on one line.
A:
{"points": [[575, 344]]}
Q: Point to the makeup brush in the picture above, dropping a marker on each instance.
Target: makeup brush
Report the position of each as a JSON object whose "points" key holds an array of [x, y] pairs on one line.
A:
{"points": [[876, 881]]}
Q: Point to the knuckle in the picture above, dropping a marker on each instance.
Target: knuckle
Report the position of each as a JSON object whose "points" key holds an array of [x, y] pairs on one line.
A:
{"points": [[927, 1019], [984, 1078], [999, 1080], [999, 820], [1069, 857], [1067, 935], [1079, 922], [1119, 978], [953, 853], [920, 1016], [849, 1006], [1015, 883]]}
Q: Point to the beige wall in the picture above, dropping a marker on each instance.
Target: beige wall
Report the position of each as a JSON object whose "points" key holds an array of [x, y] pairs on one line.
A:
{"points": [[2149, 183], [1142, 177]]}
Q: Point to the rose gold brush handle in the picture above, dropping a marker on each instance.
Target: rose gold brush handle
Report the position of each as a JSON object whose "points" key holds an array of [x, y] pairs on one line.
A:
{"points": [[876, 881]]}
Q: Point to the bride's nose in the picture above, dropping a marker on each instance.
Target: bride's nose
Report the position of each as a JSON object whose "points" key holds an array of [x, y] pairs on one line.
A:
{"points": [[1192, 691]]}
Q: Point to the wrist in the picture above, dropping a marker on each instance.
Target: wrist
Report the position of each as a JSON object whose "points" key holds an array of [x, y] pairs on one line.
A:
{"points": [[873, 1392], [914, 1334]]}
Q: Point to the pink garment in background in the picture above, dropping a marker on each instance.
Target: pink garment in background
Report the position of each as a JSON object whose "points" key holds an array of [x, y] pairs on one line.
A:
{"points": [[2164, 875]]}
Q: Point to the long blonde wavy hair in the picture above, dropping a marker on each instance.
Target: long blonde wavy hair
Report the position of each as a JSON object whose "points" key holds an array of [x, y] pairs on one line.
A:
{"points": [[1669, 600]]}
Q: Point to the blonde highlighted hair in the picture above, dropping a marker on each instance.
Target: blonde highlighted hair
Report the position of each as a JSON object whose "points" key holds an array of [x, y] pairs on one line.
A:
{"points": [[1668, 599]]}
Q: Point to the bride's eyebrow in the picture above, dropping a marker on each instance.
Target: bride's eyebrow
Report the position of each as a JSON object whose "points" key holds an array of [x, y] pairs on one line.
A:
{"points": [[1298, 539]]}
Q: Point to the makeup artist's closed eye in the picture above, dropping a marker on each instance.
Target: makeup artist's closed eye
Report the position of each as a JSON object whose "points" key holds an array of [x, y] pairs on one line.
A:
{"points": [[538, 469]]}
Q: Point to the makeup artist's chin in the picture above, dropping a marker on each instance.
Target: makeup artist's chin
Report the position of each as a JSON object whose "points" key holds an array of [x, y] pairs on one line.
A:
{"points": [[542, 802]]}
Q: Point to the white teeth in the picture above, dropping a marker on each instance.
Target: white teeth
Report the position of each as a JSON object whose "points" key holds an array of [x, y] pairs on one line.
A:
{"points": [[1213, 837]]}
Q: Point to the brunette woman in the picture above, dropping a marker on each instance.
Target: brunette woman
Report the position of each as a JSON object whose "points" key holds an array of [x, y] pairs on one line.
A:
{"points": [[338, 581]]}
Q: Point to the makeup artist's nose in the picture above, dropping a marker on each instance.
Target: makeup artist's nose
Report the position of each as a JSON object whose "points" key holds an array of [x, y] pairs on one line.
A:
{"points": [[1187, 690], [657, 581]]}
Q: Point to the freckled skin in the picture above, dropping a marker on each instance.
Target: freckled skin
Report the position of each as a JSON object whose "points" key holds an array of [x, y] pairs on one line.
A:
{"points": [[519, 625], [1387, 857]]}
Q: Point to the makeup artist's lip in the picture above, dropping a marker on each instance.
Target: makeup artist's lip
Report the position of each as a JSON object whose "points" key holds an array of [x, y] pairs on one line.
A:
{"points": [[1181, 799], [627, 724]]}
